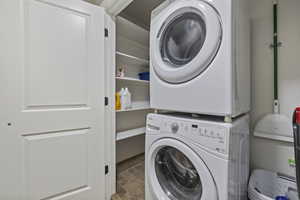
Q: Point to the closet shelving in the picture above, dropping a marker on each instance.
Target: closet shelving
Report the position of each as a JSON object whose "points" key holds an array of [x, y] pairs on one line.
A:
{"points": [[130, 133], [132, 55], [131, 60], [137, 106], [132, 79]]}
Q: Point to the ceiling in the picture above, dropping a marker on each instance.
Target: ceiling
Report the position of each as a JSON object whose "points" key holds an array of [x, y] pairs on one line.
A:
{"points": [[96, 2], [139, 12]]}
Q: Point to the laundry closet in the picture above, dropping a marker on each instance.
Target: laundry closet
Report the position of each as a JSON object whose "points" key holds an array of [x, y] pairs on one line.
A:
{"points": [[129, 32], [75, 98], [191, 52]]}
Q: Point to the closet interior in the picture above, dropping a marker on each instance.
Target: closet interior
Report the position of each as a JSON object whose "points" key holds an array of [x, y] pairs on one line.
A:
{"points": [[132, 26], [132, 58]]}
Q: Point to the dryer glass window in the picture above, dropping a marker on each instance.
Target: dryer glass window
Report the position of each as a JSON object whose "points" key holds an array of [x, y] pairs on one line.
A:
{"points": [[177, 175], [182, 39]]}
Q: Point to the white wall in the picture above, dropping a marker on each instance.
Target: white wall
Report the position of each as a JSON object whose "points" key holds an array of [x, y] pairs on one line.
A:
{"points": [[270, 154]]}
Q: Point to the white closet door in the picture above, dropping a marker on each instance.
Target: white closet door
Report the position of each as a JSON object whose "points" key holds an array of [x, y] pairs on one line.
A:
{"points": [[52, 100]]}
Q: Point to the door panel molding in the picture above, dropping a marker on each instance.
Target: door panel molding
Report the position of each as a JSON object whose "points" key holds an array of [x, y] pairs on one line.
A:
{"points": [[52, 100]]}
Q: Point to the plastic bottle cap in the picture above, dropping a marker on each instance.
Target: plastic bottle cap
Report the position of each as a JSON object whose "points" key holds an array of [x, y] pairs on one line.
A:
{"points": [[297, 115], [281, 198]]}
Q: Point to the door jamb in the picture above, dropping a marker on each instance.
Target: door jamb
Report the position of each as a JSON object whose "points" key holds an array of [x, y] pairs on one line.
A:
{"points": [[110, 137]]}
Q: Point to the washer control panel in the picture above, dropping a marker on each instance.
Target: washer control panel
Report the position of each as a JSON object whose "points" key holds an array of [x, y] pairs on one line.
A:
{"points": [[208, 135]]}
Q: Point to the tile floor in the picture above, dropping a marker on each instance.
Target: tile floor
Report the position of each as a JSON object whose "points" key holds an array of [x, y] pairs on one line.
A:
{"points": [[130, 179]]}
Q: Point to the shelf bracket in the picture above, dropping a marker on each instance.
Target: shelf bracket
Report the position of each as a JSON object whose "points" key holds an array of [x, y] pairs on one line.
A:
{"points": [[106, 32], [106, 101], [106, 169]]}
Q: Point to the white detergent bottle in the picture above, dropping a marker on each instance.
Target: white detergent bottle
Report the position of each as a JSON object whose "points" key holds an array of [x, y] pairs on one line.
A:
{"points": [[128, 98], [122, 98]]}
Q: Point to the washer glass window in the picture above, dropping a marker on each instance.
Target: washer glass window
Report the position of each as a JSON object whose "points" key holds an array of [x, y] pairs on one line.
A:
{"points": [[177, 175], [182, 39]]}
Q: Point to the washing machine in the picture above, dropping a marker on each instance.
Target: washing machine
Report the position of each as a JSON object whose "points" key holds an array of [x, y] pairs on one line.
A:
{"points": [[196, 159], [199, 57]]}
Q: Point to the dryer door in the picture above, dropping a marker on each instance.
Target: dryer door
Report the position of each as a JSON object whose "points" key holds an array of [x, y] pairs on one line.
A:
{"points": [[185, 39], [176, 172]]}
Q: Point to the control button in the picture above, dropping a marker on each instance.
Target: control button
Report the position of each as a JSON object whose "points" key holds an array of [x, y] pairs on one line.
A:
{"points": [[165, 123], [201, 131], [219, 136], [194, 130], [205, 132], [186, 128], [174, 127], [221, 141]]}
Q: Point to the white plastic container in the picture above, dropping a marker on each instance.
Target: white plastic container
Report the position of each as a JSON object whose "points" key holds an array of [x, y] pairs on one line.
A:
{"points": [[266, 185], [122, 99], [127, 98]]}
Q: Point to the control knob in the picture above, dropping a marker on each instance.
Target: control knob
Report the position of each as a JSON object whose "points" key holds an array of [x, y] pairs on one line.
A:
{"points": [[174, 127]]}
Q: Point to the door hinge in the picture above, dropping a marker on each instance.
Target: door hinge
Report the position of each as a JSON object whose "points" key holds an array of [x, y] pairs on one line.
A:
{"points": [[106, 101], [106, 169], [106, 32]]}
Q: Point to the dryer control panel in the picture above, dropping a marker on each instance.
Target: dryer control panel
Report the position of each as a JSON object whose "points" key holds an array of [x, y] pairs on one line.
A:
{"points": [[211, 136]]}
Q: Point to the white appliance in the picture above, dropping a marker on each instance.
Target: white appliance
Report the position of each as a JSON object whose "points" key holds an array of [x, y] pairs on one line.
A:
{"points": [[196, 159], [199, 52]]}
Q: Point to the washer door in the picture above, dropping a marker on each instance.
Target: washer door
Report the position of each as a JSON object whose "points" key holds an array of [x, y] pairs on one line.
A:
{"points": [[185, 40], [176, 172]]}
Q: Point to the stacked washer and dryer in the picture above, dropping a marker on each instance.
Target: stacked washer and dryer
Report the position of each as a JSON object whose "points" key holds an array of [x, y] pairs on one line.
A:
{"points": [[200, 68]]}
